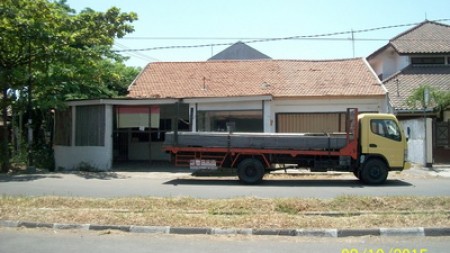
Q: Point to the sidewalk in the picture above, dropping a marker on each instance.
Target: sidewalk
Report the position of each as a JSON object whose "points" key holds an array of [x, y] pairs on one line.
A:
{"points": [[437, 170]]}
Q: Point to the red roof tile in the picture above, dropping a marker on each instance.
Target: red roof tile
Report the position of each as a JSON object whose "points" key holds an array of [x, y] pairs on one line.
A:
{"points": [[279, 78]]}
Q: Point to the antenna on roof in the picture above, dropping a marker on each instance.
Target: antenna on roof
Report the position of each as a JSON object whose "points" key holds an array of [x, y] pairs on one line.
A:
{"points": [[426, 18], [398, 91], [353, 43], [204, 84]]}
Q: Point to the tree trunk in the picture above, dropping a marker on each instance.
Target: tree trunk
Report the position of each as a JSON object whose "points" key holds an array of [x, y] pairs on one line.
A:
{"points": [[4, 154]]}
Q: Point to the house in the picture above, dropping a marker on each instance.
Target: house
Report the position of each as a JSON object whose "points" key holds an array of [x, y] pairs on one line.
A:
{"points": [[416, 57], [261, 95]]}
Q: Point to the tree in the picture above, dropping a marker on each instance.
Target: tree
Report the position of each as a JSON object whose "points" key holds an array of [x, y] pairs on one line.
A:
{"points": [[438, 99], [49, 53]]}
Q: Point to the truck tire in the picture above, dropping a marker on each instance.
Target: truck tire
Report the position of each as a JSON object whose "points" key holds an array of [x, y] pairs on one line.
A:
{"points": [[250, 171], [374, 172]]}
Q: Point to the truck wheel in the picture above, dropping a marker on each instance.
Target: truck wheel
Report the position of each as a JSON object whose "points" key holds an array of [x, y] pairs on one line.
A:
{"points": [[250, 171], [374, 172]]}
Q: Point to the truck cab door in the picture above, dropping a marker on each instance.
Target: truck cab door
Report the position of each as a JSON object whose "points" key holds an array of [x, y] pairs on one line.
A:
{"points": [[385, 138]]}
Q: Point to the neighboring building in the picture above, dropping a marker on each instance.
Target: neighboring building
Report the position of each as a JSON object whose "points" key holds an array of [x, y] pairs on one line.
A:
{"points": [[419, 56], [246, 95], [239, 51]]}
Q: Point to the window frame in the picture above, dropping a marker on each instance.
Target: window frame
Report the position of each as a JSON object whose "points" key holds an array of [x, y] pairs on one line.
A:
{"points": [[385, 129]]}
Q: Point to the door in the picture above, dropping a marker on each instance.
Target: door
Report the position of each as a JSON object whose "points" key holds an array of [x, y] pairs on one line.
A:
{"points": [[385, 139], [310, 122]]}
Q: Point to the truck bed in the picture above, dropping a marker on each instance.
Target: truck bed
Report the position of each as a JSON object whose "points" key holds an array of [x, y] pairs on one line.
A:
{"points": [[294, 141]]}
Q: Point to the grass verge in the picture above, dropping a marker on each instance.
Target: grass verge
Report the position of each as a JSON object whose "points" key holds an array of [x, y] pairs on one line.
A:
{"points": [[340, 212]]}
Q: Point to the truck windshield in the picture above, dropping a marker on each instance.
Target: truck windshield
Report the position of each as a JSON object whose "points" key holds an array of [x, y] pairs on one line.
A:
{"points": [[386, 127]]}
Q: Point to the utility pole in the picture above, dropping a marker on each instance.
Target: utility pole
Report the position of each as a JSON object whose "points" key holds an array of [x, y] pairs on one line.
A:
{"points": [[426, 99]]}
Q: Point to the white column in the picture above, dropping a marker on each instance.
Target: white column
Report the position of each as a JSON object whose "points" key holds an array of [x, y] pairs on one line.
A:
{"points": [[268, 120]]}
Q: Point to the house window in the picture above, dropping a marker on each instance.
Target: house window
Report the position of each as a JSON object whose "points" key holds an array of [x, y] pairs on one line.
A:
{"points": [[428, 60], [63, 127], [239, 121], [90, 126]]}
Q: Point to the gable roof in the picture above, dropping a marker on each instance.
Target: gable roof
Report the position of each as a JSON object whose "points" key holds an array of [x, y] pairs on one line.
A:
{"points": [[239, 51], [278, 78], [428, 37], [403, 84]]}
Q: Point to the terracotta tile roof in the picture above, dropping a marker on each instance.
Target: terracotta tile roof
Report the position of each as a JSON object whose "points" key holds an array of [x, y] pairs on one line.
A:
{"points": [[279, 78], [427, 37], [411, 78]]}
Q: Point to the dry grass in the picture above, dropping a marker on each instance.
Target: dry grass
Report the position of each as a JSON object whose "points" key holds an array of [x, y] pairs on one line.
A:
{"points": [[342, 212]]}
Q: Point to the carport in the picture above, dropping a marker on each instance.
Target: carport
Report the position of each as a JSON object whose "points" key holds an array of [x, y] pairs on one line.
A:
{"points": [[99, 133]]}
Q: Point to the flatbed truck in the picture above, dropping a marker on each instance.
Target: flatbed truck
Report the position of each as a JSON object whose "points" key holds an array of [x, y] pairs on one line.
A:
{"points": [[372, 145]]}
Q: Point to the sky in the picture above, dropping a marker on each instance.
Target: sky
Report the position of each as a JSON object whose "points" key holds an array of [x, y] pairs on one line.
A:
{"points": [[171, 23]]}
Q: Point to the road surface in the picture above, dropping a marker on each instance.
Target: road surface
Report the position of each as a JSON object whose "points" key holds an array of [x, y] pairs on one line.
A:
{"points": [[164, 184], [39, 240]]}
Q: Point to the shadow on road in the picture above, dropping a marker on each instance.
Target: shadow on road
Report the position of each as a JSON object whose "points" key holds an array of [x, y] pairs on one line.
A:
{"points": [[98, 175], [290, 183], [26, 177], [34, 177]]}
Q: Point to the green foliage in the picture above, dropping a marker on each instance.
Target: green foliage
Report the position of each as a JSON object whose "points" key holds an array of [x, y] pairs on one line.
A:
{"points": [[57, 54], [437, 98]]}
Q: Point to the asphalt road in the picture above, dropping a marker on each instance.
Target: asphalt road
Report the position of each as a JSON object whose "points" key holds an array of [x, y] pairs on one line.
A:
{"points": [[38, 240], [163, 184]]}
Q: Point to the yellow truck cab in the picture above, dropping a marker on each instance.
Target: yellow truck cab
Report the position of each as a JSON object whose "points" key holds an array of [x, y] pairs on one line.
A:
{"points": [[383, 147]]}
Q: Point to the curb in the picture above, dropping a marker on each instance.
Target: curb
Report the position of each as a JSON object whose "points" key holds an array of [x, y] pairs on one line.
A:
{"points": [[414, 231]]}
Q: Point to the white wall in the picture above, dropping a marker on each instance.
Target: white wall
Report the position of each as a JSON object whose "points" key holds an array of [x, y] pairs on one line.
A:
{"points": [[393, 63], [71, 157], [99, 157], [389, 62], [416, 152], [229, 106]]}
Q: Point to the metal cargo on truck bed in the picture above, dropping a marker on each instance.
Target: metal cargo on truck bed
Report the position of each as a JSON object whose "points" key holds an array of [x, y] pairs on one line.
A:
{"points": [[285, 141]]}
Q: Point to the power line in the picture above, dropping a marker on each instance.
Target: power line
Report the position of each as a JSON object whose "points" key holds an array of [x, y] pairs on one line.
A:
{"points": [[259, 40], [138, 55]]}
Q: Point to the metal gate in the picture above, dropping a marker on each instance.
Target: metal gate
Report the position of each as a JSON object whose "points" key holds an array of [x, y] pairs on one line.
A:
{"points": [[310, 122], [441, 142]]}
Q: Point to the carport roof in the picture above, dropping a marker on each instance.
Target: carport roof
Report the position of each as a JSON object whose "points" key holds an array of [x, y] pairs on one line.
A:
{"points": [[277, 78]]}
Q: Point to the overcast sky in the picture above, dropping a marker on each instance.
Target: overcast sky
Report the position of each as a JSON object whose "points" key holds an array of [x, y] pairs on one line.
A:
{"points": [[167, 23]]}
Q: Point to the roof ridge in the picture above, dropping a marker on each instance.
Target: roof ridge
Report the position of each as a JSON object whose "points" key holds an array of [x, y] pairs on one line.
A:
{"points": [[258, 60], [417, 25]]}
